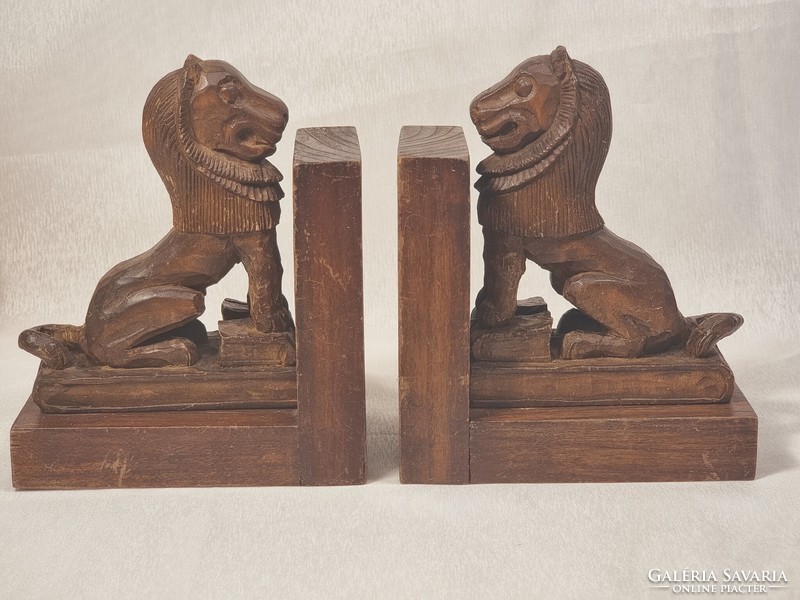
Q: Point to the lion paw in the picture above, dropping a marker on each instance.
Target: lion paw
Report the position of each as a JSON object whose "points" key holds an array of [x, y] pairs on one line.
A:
{"points": [[488, 315], [181, 352], [584, 344], [576, 345], [277, 320]]}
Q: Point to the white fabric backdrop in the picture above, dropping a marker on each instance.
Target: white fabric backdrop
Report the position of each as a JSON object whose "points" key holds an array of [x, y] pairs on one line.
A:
{"points": [[703, 172]]}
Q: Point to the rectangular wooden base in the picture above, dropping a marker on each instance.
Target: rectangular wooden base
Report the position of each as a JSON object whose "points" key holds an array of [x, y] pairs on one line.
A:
{"points": [[703, 442], [157, 449]]}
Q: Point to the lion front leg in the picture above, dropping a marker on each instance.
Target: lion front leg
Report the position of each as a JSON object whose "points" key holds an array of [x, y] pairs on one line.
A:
{"points": [[504, 265], [261, 258]]}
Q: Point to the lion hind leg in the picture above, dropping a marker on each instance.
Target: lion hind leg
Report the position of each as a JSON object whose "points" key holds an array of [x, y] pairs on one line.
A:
{"points": [[176, 352], [604, 325], [136, 335], [584, 344], [193, 330], [575, 319]]}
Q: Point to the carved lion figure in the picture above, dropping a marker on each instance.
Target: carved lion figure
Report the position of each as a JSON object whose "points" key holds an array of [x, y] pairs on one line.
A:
{"points": [[208, 132], [549, 125]]}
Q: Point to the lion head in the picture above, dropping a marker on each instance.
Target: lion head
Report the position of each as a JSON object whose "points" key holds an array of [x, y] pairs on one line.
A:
{"points": [[209, 131], [519, 109], [229, 114], [549, 125]]}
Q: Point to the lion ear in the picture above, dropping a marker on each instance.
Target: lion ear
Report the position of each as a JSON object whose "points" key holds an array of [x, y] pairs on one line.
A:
{"points": [[562, 63], [192, 68]]}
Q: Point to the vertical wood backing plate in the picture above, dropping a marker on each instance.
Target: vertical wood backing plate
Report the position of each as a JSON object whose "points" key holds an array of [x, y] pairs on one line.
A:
{"points": [[329, 306], [433, 256]]}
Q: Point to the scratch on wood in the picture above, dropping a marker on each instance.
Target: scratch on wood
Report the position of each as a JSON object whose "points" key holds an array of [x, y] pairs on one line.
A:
{"points": [[712, 472], [334, 276], [119, 466]]}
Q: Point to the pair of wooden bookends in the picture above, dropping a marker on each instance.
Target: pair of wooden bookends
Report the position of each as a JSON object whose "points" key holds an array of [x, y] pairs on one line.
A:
{"points": [[624, 388]]}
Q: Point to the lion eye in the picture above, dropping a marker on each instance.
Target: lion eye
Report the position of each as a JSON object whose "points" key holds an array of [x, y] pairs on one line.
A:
{"points": [[229, 92], [523, 87]]}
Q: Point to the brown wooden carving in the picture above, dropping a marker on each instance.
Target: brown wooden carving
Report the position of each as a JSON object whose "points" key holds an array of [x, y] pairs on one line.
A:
{"points": [[549, 125], [625, 388], [208, 131], [141, 394]]}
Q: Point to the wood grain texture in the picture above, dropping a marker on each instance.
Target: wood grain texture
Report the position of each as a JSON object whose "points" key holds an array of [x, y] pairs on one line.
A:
{"points": [[176, 449], [329, 306], [525, 339], [242, 345], [202, 386], [702, 442], [669, 378], [433, 238]]}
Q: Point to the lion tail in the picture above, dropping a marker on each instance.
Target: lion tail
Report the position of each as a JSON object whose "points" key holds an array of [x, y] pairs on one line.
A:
{"points": [[55, 345], [706, 330]]}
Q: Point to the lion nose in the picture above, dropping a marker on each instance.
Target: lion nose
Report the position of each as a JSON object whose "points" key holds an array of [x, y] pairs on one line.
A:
{"points": [[474, 113], [477, 110], [273, 109], [282, 108]]}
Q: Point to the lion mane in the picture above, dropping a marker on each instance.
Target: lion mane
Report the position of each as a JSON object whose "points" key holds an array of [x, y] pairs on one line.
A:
{"points": [[546, 189]]}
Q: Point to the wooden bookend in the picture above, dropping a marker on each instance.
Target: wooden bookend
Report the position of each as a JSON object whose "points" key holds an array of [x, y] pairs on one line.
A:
{"points": [[625, 387], [329, 306], [141, 395], [433, 248]]}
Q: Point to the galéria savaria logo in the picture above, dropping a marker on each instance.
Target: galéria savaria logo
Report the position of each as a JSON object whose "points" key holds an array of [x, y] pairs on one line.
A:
{"points": [[725, 581]]}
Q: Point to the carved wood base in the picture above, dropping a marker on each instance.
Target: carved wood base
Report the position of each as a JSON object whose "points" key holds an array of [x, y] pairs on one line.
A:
{"points": [[203, 386], [705, 442], [155, 449], [669, 378]]}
